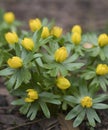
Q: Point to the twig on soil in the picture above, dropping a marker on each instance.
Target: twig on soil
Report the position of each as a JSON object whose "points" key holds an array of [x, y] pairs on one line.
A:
{"points": [[24, 124]]}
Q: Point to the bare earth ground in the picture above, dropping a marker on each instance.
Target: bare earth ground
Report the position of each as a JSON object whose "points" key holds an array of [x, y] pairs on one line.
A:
{"points": [[92, 15]]}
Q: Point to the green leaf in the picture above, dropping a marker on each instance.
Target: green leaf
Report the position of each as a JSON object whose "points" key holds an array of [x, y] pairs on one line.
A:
{"points": [[102, 56], [102, 84], [79, 118], [24, 109], [74, 112], [45, 109], [18, 102], [100, 106], [89, 75], [73, 66], [33, 111], [95, 51], [6, 72], [71, 99], [71, 59], [100, 98], [17, 49], [90, 117]]}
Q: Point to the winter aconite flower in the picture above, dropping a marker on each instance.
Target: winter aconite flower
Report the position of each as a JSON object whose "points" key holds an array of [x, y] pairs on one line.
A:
{"points": [[11, 37], [56, 31], [15, 62], [62, 83], [86, 102], [9, 17], [35, 24], [45, 32], [31, 95], [76, 28], [102, 69], [76, 38], [103, 39], [28, 44], [61, 54]]}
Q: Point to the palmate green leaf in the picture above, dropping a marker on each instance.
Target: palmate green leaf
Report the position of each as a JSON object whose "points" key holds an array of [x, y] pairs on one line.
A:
{"points": [[36, 36], [71, 99], [32, 112], [74, 66], [105, 51], [72, 58], [100, 98], [52, 101], [95, 51], [79, 118], [90, 117], [100, 106], [24, 109], [74, 112], [6, 72], [102, 84], [10, 83], [44, 41], [48, 95], [45, 109], [18, 102], [88, 75], [17, 49], [102, 55]]}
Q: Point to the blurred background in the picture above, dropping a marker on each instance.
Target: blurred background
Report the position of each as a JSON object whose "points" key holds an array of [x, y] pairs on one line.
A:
{"points": [[92, 15]]}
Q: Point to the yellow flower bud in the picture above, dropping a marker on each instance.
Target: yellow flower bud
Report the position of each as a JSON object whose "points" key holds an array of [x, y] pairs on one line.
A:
{"points": [[45, 32], [56, 31], [11, 37], [103, 39], [102, 69], [86, 102], [61, 54], [62, 83], [77, 28], [35, 24], [9, 17], [31, 95], [76, 38], [28, 44], [15, 62]]}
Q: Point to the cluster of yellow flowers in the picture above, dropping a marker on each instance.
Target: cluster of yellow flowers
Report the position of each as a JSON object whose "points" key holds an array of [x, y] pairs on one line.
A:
{"points": [[61, 54], [62, 83], [103, 39], [15, 62], [86, 102], [32, 95], [9, 17], [76, 34], [36, 24], [102, 69]]}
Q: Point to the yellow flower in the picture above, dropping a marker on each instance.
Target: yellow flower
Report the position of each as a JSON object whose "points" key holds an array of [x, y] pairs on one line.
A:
{"points": [[15, 62], [76, 38], [77, 28], [11, 37], [61, 54], [103, 39], [31, 95], [102, 69], [28, 44], [86, 102], [56, 31], [62, 83], [35, 24], [9, 17], [45, 32]]}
